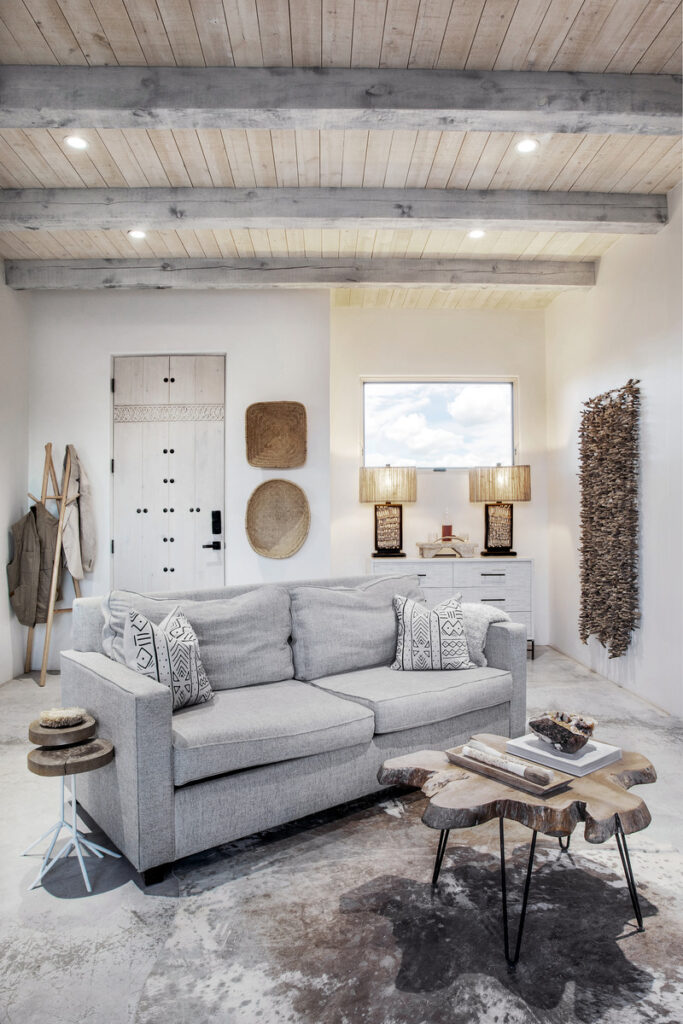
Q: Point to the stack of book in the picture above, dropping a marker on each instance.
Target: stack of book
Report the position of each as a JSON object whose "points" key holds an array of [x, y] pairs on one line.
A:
{"points": [[592, 756]]}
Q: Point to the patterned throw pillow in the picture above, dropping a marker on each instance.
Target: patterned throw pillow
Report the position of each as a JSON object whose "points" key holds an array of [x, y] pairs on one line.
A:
{"points": [[168, 653], [430, 638]]}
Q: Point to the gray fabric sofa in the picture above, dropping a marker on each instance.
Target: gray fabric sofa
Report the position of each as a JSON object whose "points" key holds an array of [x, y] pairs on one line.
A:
{"points": [[263, 754]]}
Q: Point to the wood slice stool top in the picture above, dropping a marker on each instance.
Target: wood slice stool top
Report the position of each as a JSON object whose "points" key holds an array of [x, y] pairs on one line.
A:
{"points": [[46, 737], [74, 760]]}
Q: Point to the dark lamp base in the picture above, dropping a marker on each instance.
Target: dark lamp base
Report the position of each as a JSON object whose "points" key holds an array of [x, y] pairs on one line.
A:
{"points": [[388, 554], [500, 553]]}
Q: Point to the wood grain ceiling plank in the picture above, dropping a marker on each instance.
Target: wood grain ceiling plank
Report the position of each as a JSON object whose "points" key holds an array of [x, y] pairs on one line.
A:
{"points": [[172, 162], [14, 248], [275, 32], [260, 242], [521, 32], [28, 160], [90, 34], [555, 26], [52, 152], [348, 238], [59, 250], [368, 29], [611, 34], [119, 31], [493, 152], [331, 158], [308, 157], [172, 242], [191, 243], [285, 158], [262, 160], [103, 160], [466, 159], [353, 158], [193, 158], [225, 242], [238, 153], [7, 179], [277, 239], [377, 158], [38, 244], [365, 242], [662, 48], [580, 158], [544, 167], [430, 29], [10, 51], [181, 32], [493, 24], [584, 30], [337, 33], [461, 29], [306, 16], [674, 64], [426, 145], [295, 242], [417, 242], [218, 165], [151, 32], [212, 29], [445, 158], [80, 160], [133, 151], [645, 30], [667, 173], [313, 242], [329, 243], [399, 31], [50, 24], [243, 28], [612, 155], [400, 157], [208, 242]]}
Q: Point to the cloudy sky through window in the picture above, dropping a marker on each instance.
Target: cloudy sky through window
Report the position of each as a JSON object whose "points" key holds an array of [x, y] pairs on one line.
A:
{"points": [[433, 424]]}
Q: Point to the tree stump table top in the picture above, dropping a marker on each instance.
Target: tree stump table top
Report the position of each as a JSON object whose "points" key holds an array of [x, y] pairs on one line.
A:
{"points": [[44, 736], [74, 760], [459, 798]]}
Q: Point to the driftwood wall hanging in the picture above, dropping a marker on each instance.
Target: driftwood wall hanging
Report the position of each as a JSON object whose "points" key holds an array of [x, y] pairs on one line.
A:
{"points": [[609, 457]]}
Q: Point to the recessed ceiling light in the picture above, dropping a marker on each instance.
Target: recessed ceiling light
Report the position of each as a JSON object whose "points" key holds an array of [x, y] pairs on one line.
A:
{"points": [[476, 233], [136, 233], [76, 142], [527, 146]]}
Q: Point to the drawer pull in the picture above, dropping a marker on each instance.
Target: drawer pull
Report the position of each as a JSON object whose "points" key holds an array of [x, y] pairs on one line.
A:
{"points": [[491, 600], [491, 573], [422, 575]]}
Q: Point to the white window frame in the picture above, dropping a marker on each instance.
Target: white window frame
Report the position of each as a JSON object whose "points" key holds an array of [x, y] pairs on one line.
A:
{"points": [[460, 378]]}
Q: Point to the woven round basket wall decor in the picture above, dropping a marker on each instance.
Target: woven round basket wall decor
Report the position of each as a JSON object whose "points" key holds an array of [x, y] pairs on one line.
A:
{"points": [[276, 435], [278, 519]]}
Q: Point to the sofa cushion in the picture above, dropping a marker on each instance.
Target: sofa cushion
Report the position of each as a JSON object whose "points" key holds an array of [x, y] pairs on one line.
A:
{"points": [[242, 640], [168, 653], [338, 629], [403, 700], [262, 725], [430, 639]]}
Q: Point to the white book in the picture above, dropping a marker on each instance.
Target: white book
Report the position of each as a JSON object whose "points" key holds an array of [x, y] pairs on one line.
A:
{"points": [[592, 756]]}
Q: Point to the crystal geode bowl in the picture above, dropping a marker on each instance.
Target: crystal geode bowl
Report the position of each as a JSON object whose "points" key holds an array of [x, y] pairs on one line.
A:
{"points": [[564, 730]]}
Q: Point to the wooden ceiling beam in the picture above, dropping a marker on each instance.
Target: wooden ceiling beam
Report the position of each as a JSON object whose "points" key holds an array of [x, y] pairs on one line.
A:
{"points": [[72, 209], [338, 98], [293, 272]]}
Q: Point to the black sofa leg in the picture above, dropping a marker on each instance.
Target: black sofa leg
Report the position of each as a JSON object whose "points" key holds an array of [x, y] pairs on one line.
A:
{"points": [[152, 876]]}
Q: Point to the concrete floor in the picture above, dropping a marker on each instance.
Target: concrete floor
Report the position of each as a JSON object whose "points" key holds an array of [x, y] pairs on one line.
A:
{"points": [[331, 921]]}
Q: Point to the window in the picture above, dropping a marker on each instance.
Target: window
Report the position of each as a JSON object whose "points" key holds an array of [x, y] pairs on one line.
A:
{"points": [[438, 424]]}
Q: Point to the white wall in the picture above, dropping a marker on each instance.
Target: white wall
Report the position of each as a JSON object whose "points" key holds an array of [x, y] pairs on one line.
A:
{"points": [[405, 342], [628, 326], [13, 458], [277, 347]]}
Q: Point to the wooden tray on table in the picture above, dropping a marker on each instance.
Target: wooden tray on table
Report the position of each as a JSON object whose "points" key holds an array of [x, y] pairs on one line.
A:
{"points": [[560, 779]]}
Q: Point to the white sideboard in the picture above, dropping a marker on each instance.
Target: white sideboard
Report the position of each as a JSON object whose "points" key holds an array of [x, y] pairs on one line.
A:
{"points": [[504, 583]]}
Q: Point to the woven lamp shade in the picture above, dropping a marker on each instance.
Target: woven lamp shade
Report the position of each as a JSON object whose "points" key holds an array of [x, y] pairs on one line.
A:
{"points": [[387, 483], [500, 483]]}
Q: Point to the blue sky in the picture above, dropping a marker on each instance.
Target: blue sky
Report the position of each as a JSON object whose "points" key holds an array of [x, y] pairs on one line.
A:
{"points": [[429, 424]]}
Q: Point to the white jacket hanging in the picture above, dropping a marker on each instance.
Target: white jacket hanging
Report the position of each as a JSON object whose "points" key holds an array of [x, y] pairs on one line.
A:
{"points": [[79, 538]]}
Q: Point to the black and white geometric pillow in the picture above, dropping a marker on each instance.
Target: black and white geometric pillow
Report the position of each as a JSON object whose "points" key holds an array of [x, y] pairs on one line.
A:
{"points": [[168, 653], [430, 638]]}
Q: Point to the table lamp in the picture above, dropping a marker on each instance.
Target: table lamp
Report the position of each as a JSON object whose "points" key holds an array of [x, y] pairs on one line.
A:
{"points": [[387, 486], [499, 486]]}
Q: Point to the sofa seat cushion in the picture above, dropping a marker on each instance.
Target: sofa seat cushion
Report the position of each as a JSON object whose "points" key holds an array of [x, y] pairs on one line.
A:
{"points": [[404, 700], [256, 725]]}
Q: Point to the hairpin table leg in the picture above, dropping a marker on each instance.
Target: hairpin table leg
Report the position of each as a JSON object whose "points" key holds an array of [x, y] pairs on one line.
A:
{"points": [[512, 961], [628, 872], [440, 851]]}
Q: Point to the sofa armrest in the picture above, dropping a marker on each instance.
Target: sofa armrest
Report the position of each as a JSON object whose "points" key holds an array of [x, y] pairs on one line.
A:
{"points": [[131, 798], [506, 648]]}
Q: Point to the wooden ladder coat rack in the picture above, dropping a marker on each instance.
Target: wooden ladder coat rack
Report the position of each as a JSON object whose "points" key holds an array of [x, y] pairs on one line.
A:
{"points": [[49, 476]]}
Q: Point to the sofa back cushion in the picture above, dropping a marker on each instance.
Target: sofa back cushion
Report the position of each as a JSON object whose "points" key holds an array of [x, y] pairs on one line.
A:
{"points": [[338, 629], [242, 640]]}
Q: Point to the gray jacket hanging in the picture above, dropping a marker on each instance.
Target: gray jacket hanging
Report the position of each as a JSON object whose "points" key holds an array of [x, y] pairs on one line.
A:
{"points": [[78, 537], [29, 574]]}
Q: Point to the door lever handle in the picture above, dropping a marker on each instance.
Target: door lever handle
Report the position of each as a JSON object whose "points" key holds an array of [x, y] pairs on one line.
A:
{"points": [[215, 545]]}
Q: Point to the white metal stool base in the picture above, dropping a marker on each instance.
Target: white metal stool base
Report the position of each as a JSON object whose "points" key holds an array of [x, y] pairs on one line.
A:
{"points": [[76, 841]]}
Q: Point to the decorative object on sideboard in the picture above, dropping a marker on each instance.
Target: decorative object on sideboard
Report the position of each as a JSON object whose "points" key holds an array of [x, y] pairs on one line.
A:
{"points": [[498, 487], [564, 730], [446, 526], [276, 435], [456, 547], [609, 466], [387, 487], [278, 519]]}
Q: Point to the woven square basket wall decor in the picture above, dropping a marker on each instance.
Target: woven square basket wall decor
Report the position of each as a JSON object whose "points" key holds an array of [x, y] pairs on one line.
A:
{"points": [[609, 459], [276, 435]]}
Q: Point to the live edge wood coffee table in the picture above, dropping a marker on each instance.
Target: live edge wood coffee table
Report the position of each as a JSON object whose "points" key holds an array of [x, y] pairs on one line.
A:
{"points": [[460, 798]]}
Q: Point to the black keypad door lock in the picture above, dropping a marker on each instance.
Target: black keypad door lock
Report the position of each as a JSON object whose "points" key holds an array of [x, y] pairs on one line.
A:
{"points": [[215, 545], [216, 526]]}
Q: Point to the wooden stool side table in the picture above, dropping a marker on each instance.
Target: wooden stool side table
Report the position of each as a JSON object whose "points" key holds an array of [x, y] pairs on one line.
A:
{"points": [[67, 752]]}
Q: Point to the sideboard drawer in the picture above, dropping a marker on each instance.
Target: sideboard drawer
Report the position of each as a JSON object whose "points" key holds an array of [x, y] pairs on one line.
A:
{"points": [[480, 573], [507, 599], [439, 574]]}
